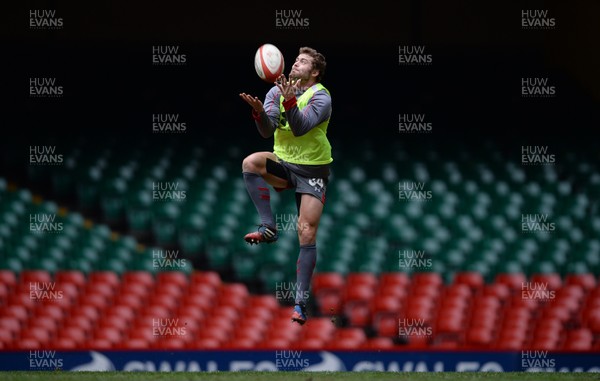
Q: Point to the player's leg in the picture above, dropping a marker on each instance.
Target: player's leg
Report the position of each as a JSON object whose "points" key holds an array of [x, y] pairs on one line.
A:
{"points": [[311, 209], [255, 169], [257, 163]]}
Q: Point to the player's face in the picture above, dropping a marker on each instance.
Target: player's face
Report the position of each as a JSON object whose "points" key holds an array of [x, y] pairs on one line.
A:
{"points": [[302, 67]]}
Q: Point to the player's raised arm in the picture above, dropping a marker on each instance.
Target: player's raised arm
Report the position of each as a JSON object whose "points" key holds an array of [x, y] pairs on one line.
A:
{"points": [[266, 116]]}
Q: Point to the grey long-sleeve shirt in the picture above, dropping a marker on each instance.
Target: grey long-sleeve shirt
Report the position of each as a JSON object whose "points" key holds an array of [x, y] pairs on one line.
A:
{"points": [[300, 121]]}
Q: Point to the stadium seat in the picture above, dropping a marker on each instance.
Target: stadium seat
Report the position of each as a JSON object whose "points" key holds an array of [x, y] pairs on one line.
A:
{"points": [[552, 280], [514, 281], [472, 279], [586, 280]]}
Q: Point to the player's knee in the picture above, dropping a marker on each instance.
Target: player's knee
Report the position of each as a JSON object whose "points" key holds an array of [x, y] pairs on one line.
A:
{"points": [[251, 164], [307, 232]]}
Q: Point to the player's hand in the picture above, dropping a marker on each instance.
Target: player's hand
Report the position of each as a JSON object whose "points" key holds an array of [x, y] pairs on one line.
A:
{"points": [[287, 87], [256, 103]]}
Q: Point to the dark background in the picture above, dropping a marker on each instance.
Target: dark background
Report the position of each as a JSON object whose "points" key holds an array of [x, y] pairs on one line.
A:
{"points": [[102, 58]]}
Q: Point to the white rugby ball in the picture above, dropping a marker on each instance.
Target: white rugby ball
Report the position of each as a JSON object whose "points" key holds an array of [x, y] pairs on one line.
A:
{"points": [[268, 62]]}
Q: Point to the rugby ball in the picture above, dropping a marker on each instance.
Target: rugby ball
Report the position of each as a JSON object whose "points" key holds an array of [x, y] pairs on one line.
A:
{"points": [[268, 62]]}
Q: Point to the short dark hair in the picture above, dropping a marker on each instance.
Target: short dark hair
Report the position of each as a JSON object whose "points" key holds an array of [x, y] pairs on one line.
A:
{"points": [[318, 63]]}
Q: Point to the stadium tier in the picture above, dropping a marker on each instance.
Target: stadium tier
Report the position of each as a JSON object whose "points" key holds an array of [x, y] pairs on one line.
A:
{"points": [[167, 310], [421, 248]]}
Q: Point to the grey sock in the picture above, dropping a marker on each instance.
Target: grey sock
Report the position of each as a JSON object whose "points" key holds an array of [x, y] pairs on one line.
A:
{"points": [[258, 190], [304, 271]]}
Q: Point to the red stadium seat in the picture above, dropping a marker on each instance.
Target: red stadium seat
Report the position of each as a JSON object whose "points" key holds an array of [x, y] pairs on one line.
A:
{"points": [[479, 337], [139, 343], [48, 325], [98, 344], [587, 280], [173, 277], [343, 344], [364, 278], [74, 277], [8, 278], [11, 324], [246, 333], [432, 278], [263, 301], [74, 334], [112, 335], [104, 277], [327, 282], [27, 343], [511, 344], [329, 303], [459, 290], [359, 314], [552, 280], [358, 293], [545, 344], [4, 292], [105, 289], [393, 279], [378, 343], [210, 278], [308, 344], [16, 311], [469, 278], [40, 335], [97, 301], [275, 343], [386, 326], [450, 321], [169, 290], [138, 290], [143, 278], [50, 312], [204, 343], [499, 290], [514, 281], [356, 334], [33, 276], [64, 343]]}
